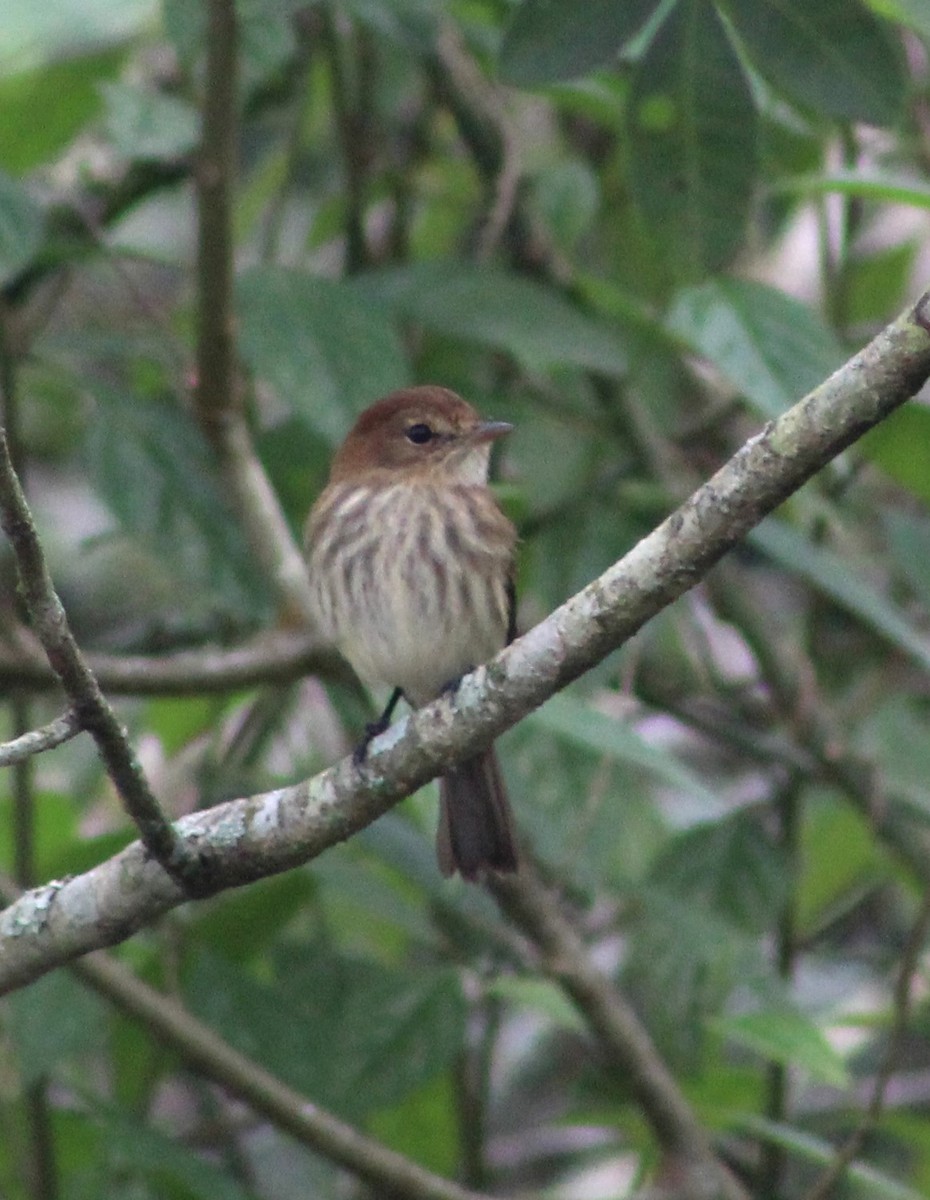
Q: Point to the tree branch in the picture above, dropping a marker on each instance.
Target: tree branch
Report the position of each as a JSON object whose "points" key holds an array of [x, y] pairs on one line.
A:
{"points": [[34, 741], [90, 706], [531, 906], [901, 1006], [249, 838], [202, 1048], [819, 734], [218, 397], [277, 657], [216, 363]]}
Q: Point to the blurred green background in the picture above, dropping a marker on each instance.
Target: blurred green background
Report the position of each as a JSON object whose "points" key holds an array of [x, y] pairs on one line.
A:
{"points": [[637, 230]]}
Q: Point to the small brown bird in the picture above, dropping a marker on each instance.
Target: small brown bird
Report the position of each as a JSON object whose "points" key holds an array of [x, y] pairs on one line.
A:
{"points": [[411, 566]]}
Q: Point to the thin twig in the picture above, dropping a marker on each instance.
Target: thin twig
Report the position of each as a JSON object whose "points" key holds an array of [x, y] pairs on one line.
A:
{"points": [[310, 1124], [901, 1006], [500, 160], [816, 732], [277, 657], [39, 1138], [263, 521], [218, 396], [202, 1049], [216, 391], [622, 1037], [788, 812], [485, 133], [35, 741], [90, 706], [305, 23], [352, 104]]}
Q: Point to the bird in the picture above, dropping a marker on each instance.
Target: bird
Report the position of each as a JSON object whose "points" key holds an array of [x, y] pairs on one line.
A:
{"points": [[411, 565]]}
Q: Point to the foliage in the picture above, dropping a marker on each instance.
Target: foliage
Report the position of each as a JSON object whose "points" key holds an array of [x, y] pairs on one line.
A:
{"points": [[636, 229]]}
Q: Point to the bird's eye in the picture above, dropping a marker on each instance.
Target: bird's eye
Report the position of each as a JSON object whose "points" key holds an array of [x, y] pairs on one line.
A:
{"points": [[419, 434]]}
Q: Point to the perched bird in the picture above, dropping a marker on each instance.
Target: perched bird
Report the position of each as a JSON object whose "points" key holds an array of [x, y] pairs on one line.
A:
{"points": [[411, 569]]}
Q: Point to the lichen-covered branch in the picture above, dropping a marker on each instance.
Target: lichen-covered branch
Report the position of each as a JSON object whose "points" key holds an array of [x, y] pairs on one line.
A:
{"points": [[249, 838]]}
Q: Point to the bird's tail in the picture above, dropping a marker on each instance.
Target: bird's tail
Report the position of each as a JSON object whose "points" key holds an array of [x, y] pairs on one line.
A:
{"points": [[475, 823]]}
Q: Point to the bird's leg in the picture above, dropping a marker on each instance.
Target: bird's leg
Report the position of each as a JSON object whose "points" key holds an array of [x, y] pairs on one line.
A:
{"points": [[373, 728]]}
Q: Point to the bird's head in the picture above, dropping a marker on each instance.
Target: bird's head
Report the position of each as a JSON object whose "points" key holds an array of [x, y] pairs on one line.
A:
{"points": [[423, 432]]}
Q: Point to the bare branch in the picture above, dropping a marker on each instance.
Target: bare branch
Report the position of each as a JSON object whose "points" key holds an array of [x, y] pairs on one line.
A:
{"points": [[256, 836], [902, 1002], [62, 729], [818, 734], [218, 395], [310, 1124], [204, 1050], [351, 62], [277, 657], [216, 363], [90, 706], [265, 525], [478, 105], [483, 128], [531, 906]]}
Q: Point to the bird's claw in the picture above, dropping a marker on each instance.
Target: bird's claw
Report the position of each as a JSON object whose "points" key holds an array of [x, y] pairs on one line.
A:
{"points": [[451, 686], [372, 730]]}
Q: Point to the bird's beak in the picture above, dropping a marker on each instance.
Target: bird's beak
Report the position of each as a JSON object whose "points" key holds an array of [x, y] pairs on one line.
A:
{"points": [[490, 431]]}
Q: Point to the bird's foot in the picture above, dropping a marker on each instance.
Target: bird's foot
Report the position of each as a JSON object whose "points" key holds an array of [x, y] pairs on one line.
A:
{"points": [[372, 730], [451, 686]]}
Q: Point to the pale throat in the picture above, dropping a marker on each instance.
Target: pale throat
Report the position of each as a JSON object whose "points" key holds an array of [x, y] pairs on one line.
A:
{"points": [[468, 467]]}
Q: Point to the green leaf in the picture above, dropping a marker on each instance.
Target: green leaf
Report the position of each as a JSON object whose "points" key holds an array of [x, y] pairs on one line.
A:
{"points": [[730, 867], [833, 575], [36, 125], [833, 56], [146, 125], [769, 346], [568, 717], [908, 536], [506, 312], [896, 737], [352, 1035], [297, 460], [883, 188], [155, 472], [861, 1182], [51, 1021], [22, 227], [138, 1150], [568, 196], [545, 43], [878, 284], [36, 34], [913, 13], [326, 350], [265, 36], [240, 924], [425, 1126], [683, 961], [900, 445], [541, 996], [693, 132], [840, 859], [787, 1036]]}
